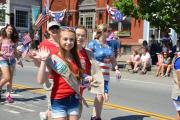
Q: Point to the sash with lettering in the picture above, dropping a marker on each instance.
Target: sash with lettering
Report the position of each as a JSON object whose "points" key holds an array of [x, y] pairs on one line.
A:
{"points": [[60, 67]]}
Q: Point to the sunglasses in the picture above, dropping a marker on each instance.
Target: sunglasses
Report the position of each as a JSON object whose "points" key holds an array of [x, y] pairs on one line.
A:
{"points": [[68, 28]]}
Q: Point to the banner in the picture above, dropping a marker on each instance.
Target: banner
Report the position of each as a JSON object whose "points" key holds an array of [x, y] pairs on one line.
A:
{"points": [[115, 14], [35, 13], [58, 15]]}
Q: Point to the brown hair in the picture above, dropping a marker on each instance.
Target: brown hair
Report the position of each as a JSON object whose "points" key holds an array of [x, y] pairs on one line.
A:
{"points": [[82, 27], [100, 29], [14, 36], [136, 52], [73, 51]]}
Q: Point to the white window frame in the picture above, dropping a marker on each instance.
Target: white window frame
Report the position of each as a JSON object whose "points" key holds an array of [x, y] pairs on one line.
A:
{"points": [[84, 15]]}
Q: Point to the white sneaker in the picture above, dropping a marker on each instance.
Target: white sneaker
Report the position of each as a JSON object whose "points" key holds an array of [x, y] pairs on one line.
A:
{"points": [[43, 116]]}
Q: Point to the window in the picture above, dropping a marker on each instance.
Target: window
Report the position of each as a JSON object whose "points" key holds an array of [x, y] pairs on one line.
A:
{"points": [[21, 18], [126, 27], [2, 17], [81, 20], [89, 22]]}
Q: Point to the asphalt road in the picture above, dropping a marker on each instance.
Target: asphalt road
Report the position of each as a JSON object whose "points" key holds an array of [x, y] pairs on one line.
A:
{"points": [[134, 97]]}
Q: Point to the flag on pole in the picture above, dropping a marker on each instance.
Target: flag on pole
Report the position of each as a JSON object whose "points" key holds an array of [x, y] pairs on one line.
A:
{"points": [[27, 39], [115, 14], [58, 15], [43, 17]]}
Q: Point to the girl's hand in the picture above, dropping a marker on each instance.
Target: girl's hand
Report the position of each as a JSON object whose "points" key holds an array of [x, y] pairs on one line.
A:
{"points": [[90, 78], [43, 53], [33, 54], [8, 54]]}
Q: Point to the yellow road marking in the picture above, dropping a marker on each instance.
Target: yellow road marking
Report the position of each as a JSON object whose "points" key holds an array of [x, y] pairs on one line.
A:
{"points": [[109, 105]]}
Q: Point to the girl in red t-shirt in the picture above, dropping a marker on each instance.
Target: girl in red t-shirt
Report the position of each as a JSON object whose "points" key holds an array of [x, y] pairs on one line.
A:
{"points": [[51, 43], [64, 101], [81, 36]]}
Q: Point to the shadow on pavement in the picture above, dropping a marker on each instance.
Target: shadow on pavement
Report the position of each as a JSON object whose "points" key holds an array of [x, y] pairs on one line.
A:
{"points": [[130, 117], [43, 97], [25, 89]]}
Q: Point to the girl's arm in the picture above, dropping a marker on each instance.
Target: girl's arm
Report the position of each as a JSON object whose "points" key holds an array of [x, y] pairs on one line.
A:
{"points": [[42, 75], [169, 61]]}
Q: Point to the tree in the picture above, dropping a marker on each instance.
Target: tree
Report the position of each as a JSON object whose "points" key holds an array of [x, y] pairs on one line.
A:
{"points": [[162, 14]]}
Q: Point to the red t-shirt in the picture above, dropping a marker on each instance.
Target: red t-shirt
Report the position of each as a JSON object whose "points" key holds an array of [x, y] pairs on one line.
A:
{"points": [[61, 88], [53, 48], [86, 65]]}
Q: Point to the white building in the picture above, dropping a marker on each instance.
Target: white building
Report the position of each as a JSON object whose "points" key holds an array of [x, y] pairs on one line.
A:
{"points": [[18, 13]]}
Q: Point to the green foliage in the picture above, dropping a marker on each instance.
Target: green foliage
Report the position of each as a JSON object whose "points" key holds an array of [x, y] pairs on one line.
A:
{"points": [[2, 15], [2, 11], [162, 14]]}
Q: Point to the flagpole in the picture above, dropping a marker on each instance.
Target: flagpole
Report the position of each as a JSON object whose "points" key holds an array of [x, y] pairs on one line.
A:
{"points": [[107, 16], [47, 10]]}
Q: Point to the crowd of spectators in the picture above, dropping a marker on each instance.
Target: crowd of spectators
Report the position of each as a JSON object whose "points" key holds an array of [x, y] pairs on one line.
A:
{"points": [[155, 53]]}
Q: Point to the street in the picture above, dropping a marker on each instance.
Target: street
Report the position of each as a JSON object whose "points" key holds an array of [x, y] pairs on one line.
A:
{"points": [[134, 97]]}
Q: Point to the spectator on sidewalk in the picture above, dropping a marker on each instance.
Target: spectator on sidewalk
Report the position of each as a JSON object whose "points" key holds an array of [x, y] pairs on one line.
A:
{"points": [[145, 62], [164, 66], [135, 57], [145, 44], [154, 48], [167, 64]]}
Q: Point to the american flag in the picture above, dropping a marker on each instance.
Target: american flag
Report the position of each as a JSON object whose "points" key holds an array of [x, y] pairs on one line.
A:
{"points": [[58, 15], [115, 14], [27, 39], [42, 18]]}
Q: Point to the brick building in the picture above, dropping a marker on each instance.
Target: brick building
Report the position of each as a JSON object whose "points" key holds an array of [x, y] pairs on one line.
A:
{"points": [[93, 12]]}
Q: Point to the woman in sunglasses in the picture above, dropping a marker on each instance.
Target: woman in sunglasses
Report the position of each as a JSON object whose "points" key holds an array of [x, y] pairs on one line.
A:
{"points": [[104, 57], [51, 43]]}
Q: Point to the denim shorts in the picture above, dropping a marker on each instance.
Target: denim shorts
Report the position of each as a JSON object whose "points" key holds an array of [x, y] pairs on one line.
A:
{"points": [[65, 107], [7, 63]]}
